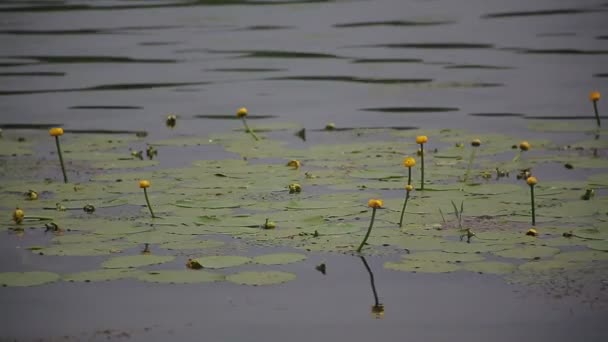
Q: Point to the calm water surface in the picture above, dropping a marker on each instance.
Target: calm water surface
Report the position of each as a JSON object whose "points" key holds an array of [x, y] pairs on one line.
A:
{"points": [[488, 66]]}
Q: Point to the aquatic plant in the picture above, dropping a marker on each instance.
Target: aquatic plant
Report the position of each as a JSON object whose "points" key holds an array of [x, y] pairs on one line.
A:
{"points": [[18, 215], [330, 126], [31, 195], [57, 132], [532, 232], [269, 224], [523, 147], [145, 184], [475, 144], [595, 97], [295, 188], [374, 204], [171, 120], [378, 308], [408, 162], [421, 140], [532, 182], [242, 113], [294, 163]]}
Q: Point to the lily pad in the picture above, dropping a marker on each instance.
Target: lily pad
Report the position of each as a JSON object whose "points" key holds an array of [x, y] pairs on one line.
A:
{"points": [[600, 245], [439, 256], [279, 258], [101, 275], [222, 261], [260, 278], [180, 276], [27, 278], [192, 244], [528, 252], [133, 261]]}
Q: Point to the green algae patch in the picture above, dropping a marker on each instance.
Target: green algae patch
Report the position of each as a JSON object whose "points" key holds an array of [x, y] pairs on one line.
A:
{"points": [[279, 258], [20, 279], [260, 278], [134, 261], [180, 277]]}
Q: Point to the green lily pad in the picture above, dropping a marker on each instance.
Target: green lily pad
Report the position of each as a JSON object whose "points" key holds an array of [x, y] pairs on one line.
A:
{"points": [[439, 256], [527, 252], [192, 244], [222, 261], [27, 278], [134, 261], [543, 266], [583, 256], [155, 237], [180, 276], [279, 258], [85, 249], [101, 275], [600, 245], [490, 267], [260, 278]]}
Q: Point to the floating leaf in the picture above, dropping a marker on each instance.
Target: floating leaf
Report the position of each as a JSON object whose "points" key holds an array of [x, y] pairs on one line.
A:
{"points": [[27, 278], [439, 256], [180, 276], [260, 278], [193, 244], [101, 275], [222, 261], [279, 258], [528, 252], [133, 261]]}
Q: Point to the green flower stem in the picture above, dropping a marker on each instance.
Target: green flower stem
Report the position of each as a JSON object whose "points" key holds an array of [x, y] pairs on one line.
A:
{"points": [[247, 129], [65, 177], [369, 230], [517, 156], [422, 166], [148, 202], [407, 196], [409, 176], [532, 203], [471, 159], [597, 115]]}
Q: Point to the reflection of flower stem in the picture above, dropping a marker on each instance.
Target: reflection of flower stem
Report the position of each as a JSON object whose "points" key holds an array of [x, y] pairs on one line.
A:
{"points": [[148, 202], [369, 230], [247, 129], [597, 115], [371, 279], [65, 177]]}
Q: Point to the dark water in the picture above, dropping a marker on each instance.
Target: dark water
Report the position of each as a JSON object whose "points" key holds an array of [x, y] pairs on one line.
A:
{"points": [[483, 65]]}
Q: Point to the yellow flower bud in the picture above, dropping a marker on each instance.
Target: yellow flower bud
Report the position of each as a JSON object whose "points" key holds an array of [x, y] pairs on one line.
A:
{"points": [[144, 183], [18, 215], [193, 264], [242, 112], [409, 188], [532, 232], [56, 131], [31, 195], [524, 145], [294, 163], [409, 162], [531, 181], [421, 139], [594, 96], [375, 203], [330, 126], [295, 188], [476, 143]]}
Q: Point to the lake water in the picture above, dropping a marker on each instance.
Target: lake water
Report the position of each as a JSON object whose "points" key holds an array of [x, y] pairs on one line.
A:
{"points": [[486, 66]]}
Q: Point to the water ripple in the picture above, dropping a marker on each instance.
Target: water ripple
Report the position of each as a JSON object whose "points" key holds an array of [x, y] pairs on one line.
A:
{"points": [[411, 109], [394, 23], [535, 13], [353, 79], [105, 87]]}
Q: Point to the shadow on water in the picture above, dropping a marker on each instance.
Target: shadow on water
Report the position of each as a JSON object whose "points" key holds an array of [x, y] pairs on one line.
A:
{"points": [[33, 73], [105, 87], [498, 115], [116, 30], [432, 46], [477, 67], [233, 117], [265, 28], [105, 107], [377, 308], [61, 7], [265, 53], [346, 129], [411, 109], [394, 23], [600, 75], [580, 117], [387, 60], [351, 79], [86, 59], [246, 70], [536, 13], [564, 51]]}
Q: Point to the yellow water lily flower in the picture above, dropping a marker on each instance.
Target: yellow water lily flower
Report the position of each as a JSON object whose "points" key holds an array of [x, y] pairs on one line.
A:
{"points": [[18, 215], [476, 143], [56, 131], [422, 139], [242, 112], [531, 181], [409, 162], [375, 203], [409, 188], [144, 184], [594, 96], [524, 145], [193, 264], [294, 163], [330, 126], [295, 188], [532, 232], [31, 195]]}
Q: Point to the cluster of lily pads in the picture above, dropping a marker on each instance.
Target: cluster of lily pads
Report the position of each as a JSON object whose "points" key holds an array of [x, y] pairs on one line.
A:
{"points": [[312, 198]]}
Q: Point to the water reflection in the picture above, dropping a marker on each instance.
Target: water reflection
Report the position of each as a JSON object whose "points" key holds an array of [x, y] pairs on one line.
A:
{"points": [[377, 308]]}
